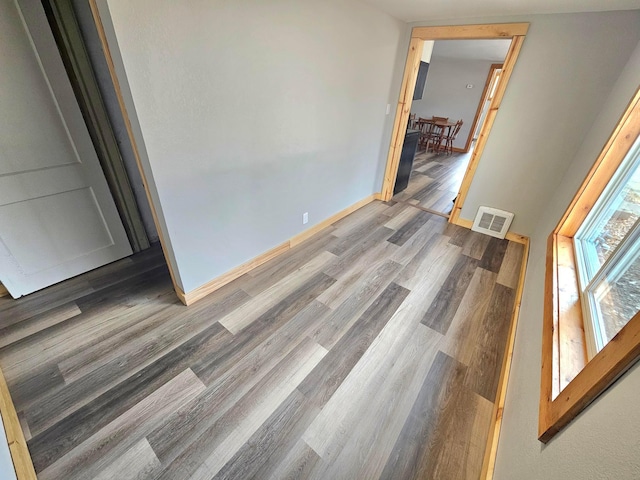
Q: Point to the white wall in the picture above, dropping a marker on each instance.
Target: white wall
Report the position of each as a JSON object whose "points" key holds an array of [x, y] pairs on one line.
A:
{"points": [[253, 112], [446, 93], [604, 441], [427, 50], [565, 70]]}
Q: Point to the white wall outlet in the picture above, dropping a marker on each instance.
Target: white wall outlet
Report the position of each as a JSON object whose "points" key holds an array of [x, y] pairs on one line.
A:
{"points": [[469, 85], [305, 218], [388, 109]]}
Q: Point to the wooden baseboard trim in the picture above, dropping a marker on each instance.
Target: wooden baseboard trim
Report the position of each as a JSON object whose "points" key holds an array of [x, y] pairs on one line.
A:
{"points": [[512, 236], [15, 438], [462, 222], [3, 291], [180, 294], [489, 462], [231, 275], [209, 287], [301, 237]]}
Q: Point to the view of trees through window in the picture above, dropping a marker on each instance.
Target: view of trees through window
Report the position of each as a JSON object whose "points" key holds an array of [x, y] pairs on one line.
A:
{"points": [[610, 247]]}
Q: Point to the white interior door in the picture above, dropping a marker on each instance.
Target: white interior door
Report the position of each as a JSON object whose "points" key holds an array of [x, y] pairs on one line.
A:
{"points": [[57, 216]]}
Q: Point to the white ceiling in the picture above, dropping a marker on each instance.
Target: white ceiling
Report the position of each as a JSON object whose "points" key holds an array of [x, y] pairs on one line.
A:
{"points": [[424, 10], [490, 50]]}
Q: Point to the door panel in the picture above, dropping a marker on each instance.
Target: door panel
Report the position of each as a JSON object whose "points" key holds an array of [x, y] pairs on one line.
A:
{"points": [[57, 216]]}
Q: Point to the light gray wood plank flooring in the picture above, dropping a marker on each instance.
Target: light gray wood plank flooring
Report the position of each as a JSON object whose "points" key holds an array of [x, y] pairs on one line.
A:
{"points": [[372, 350], [435, 180]]}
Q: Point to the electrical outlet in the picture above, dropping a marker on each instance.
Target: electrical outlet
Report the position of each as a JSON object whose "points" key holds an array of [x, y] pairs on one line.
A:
{"points": [[305, 218], [469, 85]]}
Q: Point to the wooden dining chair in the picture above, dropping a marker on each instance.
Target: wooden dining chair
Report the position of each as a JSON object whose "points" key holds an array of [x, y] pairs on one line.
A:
{"points": [[440, 119], [412, 121], [449, 139], [424, 125], [436, 137]]}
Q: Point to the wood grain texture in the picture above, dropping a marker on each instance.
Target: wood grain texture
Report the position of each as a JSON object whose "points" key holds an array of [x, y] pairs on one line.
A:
{"points": [[494, 106], [445, 375], [462, 32], [484, 369], [444, 306], [138, 463], [97, 452], [309, 366], [329, 374], [562, 316], [16, 441], [242, 317], [491, 449], [403, 110], [493, 255], [509, 273]]}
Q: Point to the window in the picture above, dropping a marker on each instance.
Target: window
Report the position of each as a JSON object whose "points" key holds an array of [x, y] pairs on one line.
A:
{"points": [[607, 251], [591, 330]]}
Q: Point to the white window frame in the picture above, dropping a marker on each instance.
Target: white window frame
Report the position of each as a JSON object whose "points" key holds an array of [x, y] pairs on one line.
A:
{"points": [[590, 273]]}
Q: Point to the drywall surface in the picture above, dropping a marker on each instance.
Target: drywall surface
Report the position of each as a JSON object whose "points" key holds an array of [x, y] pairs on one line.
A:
{"points": [[96, 56], [253, 113], [603, 442], [427, 50], [127, 99], [566, 68], [446, 93]]}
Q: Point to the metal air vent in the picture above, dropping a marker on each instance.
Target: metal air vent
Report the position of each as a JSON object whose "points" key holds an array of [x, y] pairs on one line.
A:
{"points": [[492, 221]]}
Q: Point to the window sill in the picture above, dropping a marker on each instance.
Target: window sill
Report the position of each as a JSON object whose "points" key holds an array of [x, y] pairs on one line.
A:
{"points": [[569, 383], [570, 347]]}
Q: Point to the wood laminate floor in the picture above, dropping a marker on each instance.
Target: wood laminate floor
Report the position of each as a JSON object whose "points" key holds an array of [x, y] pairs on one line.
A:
{"points": [[435, 181], [370, 351]]}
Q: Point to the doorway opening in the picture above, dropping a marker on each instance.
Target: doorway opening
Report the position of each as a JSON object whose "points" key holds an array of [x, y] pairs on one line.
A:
{"points": [[439, 134], [449, 105]]}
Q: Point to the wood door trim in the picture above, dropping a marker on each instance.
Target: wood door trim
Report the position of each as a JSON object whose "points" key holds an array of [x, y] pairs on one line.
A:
{"points": [[15, 437], [509, 63], [403, 110], [515, 31], [116, 84], [471, 32], [483, 99]]}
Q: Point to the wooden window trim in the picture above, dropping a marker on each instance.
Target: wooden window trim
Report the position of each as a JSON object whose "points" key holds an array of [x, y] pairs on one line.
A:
{"points": [[569, 383]]}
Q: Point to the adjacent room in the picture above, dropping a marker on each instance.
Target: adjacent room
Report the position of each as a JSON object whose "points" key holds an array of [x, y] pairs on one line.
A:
{"points": [[320, 239], [456, 83]]}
